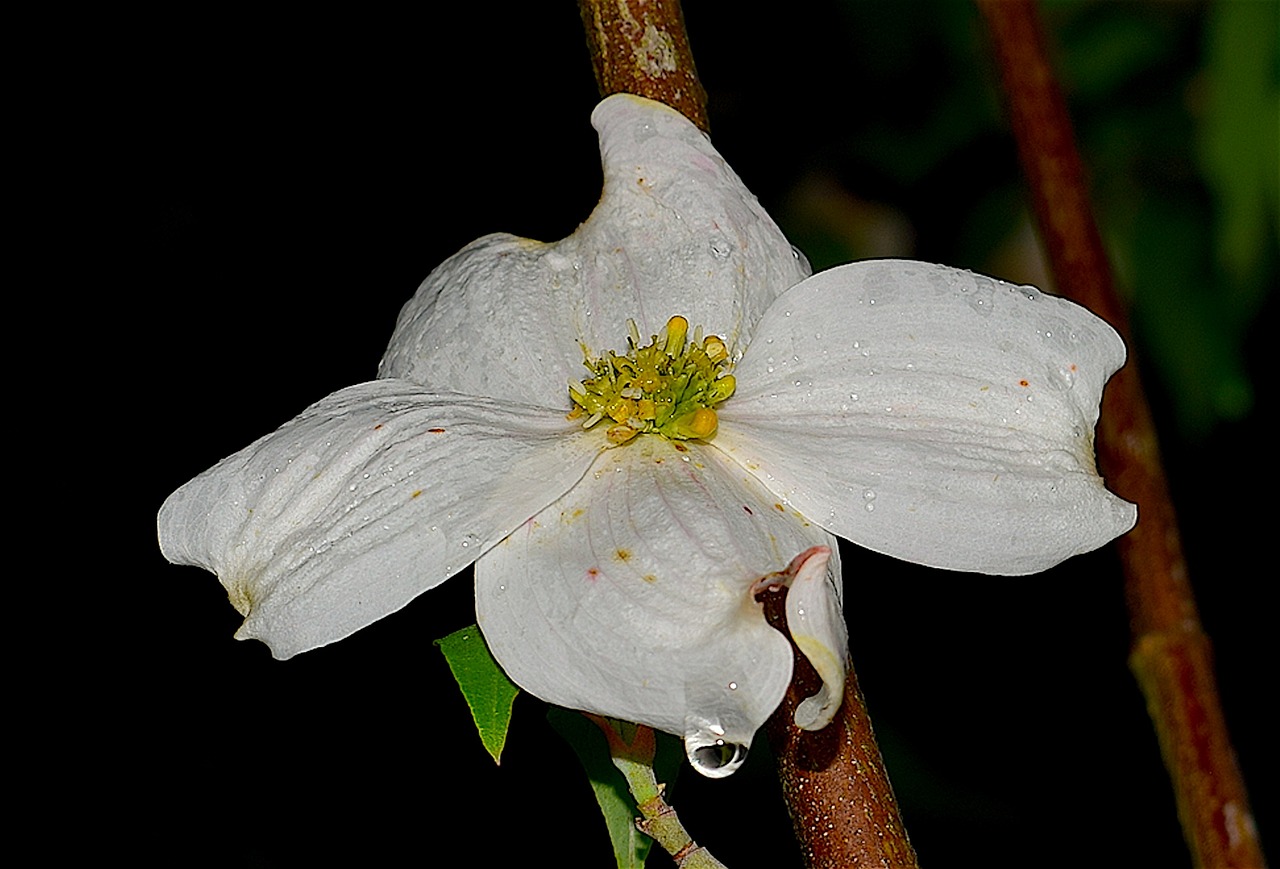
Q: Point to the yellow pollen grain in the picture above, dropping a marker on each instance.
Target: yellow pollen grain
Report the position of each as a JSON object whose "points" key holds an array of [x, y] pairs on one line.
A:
{"points": [[620, 434], [702, 423], [622, 410], [677, 329], [715, 349]]}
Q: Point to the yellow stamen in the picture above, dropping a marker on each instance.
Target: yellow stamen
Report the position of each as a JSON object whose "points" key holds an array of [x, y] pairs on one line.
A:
{"points": [[701, 424], [666, 387], [620, 434], [677, 329]]}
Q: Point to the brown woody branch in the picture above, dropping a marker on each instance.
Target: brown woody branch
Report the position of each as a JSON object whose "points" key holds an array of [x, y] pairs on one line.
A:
{"points": [[834, 780], [640, 47], [1171, 656]]}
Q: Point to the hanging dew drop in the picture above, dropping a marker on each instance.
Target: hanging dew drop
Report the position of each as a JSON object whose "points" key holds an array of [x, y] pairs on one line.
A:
{"points": [[713, 756]]}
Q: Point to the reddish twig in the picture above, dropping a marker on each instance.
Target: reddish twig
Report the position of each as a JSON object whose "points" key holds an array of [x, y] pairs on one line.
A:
{"points": [[834, 780], [1171, 655], [640, 47]]}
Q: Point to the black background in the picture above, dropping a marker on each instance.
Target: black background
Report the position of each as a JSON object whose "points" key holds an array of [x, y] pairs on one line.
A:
{"points": [[259, 195]]}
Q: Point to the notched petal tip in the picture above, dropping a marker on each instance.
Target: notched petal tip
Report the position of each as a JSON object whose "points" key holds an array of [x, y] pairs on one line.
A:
{"points": [[816, 621], [673, 215]]}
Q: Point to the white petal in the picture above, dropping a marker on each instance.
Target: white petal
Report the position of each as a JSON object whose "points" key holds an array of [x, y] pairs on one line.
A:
{"points": [[368, 498], [632, 596], [931, 414], [495, 319], [676, 232]]}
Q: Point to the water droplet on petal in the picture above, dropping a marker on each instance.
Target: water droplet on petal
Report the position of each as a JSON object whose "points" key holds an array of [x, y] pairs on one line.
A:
{"points": [[713, 756], [470, 540]]}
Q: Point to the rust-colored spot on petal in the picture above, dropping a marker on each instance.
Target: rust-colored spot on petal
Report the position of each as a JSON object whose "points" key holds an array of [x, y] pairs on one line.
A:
{"points": [[622, 554], [436, 430], [649, 577], [1023, 383], [416, 494]]}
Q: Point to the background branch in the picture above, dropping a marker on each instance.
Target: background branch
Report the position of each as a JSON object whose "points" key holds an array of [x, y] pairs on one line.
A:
{"points": [[1171, 655]]}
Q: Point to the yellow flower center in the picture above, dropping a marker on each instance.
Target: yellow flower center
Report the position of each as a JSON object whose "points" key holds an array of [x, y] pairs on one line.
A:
{"points": [[668, 387]]}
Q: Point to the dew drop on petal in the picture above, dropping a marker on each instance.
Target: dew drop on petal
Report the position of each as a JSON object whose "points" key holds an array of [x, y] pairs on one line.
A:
{"points": [[713, 756]]}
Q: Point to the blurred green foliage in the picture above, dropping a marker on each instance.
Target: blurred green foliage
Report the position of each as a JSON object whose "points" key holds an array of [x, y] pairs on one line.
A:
{"points": [[1177, 111]]}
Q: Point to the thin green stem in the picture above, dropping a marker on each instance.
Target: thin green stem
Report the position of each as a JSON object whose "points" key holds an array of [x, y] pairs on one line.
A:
{"points": [[632, 748]]}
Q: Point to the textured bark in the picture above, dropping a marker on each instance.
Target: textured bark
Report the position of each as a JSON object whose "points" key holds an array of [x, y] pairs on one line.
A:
{"points": [[640, 47], [834, 780], [1171, 655]]}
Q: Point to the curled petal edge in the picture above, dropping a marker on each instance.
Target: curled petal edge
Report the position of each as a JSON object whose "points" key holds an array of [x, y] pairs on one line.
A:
{"points": [[815, 620]]}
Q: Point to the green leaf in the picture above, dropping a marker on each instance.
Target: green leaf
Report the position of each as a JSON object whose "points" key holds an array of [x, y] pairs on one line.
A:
{"points": [[488, 691], [630, 846]]}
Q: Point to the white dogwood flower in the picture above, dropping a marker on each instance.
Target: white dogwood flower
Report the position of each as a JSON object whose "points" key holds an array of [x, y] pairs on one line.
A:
{"points": [[733, 415]]}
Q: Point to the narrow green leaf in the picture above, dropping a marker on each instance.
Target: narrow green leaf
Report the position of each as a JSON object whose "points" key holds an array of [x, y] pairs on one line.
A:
{"points": [[487, 690], [630, 846]]}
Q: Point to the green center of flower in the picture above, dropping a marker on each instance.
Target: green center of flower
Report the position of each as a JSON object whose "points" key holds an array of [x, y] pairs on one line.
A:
{"points": [[668, 387]]}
